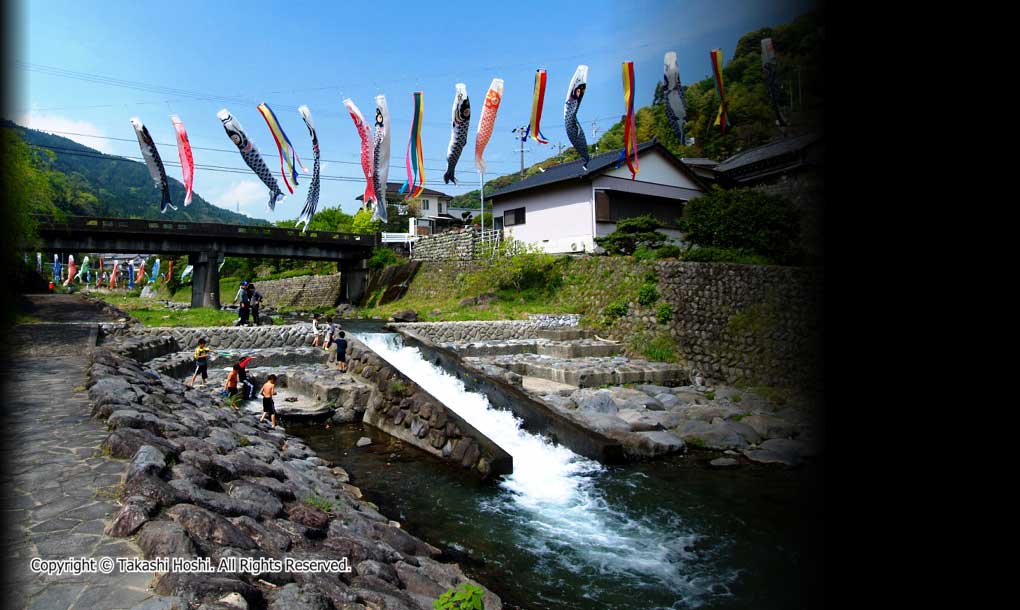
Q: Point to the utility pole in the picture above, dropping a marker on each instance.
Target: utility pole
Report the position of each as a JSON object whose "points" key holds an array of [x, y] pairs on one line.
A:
{"points": [[595, 136], [559, 148], [523, 130]]}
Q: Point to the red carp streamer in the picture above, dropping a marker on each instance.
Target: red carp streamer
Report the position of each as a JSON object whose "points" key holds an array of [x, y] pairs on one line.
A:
{"points": [[187, 161], [367, 150]]}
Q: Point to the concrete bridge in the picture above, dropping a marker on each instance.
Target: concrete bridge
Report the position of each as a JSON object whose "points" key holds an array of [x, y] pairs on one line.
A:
{"points": [[206, 244]]}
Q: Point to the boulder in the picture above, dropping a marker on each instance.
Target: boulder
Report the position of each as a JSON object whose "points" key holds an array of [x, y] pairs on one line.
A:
{"points": [[134, 514], [770, 426], [165, 539], [724, 463], [595, 401], [297, 597], [147, 460], [653, 443], [710, 435], [309, 516], [744, 430], [198, 588], [205, 525], [407, 315], [219, 502], [246, 490]]}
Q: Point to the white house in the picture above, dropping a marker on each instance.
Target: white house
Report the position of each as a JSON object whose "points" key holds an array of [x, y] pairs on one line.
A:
{"points": [[564, 208]]}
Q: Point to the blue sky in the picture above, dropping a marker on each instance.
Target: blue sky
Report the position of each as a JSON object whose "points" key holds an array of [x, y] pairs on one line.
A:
{"points": [[293, 53]]}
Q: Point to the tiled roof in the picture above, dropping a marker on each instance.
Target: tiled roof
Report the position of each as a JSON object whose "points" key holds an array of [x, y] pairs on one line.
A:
{"points": [[394, 188], [768, 151]]}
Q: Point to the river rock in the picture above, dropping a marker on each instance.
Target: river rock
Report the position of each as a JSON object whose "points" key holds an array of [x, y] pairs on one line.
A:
{"points": [[198, 588], [266, 536], [790, 449], [600, 422], [205, 525], [309, 516], [134, 514], [297, 597], [148, 460], [653, 443], [637, 420], [711, 435], [246, 490], [626, 398], [364, 441], [595, 401], [407, 315], [769, 426], [219, 502], [383, 571], [707, 412], [764, 456], [724, 463], [749, 433], [165, 539]]}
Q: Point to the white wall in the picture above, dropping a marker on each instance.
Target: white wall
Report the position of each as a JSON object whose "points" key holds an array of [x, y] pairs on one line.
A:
{"points": [[654, 167], [556, 217]]}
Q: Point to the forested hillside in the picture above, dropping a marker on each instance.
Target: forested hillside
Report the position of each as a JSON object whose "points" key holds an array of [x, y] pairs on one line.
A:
{"points": [[799, 50], [81, 181]]}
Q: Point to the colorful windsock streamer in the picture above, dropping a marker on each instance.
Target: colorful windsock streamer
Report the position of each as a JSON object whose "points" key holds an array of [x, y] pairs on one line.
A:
{"points": [[56, 269], [458, 132], [381, 171], [154, 274], [575, 133], [187, 271], [673, 96], [154, 163], [415, 157], [722, 119], [493, 97], [367, 145], [71, 269], [770, 67], [251, 156], [312, 201], [169, 271], [84, 269], [288, 156], [114, 274], [629, 153], [187, 161], [140, 273], [537, 102]]}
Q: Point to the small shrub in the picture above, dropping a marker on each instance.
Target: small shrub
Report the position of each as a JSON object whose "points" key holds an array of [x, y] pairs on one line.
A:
{"points": [[631, 234], [645, 254], [668, 251], [658, 347], [724, 255], [616, 310], [398, 387], [648, 294], [664, 313], [736, 398], [466, 597], [695, 442], [382, 257], [710, 395]]}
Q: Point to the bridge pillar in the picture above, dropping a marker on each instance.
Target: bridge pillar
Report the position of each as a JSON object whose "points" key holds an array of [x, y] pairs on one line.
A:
{"points": [[205, 287], [353, 280]]}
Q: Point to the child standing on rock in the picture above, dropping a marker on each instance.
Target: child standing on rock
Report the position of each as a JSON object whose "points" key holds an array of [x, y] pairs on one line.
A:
{"points": [[316, 330], [232, 380], [201, 362], [341, 351], [268, 408]]}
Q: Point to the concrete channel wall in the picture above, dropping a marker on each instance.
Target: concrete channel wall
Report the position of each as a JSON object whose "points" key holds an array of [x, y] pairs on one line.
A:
{"points": [[220, 337], [405, 410], [538, 418]]}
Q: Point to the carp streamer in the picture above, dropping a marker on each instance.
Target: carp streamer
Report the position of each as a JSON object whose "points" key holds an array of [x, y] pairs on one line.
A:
{"points": [[493, 97], [722, 119], [154, 274], [458, 131], [629, 153], [71, 269], [770, 67], [56, 268], [537, 101], [154, 163], [313, 190], [415, 160], [114, 274], [575, 93], [367, 144], [288, 156], [382, 156], [187, 161], [251, 156], [673, 96]]}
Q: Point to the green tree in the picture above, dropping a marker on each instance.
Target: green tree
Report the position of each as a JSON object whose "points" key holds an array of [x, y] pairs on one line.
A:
{"points": [[631, 234], [745, 220]]}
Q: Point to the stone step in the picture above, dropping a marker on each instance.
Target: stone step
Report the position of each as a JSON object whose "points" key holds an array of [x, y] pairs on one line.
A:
{"points": [[589, 372], [575, 348], [564, 334]]}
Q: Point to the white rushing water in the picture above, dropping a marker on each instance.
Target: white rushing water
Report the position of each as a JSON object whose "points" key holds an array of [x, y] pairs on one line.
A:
{"points": [[552, 495]]}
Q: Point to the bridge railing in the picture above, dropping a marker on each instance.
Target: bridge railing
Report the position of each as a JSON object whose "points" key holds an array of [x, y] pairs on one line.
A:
{"points": [[176, 227]]}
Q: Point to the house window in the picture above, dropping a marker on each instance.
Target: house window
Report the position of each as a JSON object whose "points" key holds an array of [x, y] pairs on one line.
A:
{"points": [[424, 204], [513, 217]]}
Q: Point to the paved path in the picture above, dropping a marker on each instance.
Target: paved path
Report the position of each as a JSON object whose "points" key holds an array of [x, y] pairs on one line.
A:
{"points": [[56, 491]]}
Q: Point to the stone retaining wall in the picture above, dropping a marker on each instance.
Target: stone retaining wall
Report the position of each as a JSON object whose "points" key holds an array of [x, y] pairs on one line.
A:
{"points": [[223, 337], [303, 291], [403, 409], [746, 324], [456, 244], [468, 331]]}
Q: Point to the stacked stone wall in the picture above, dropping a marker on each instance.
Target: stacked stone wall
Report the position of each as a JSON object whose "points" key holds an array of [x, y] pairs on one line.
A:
{"points": [[225, 337], [304, 291], [499, 330], [456, 244]]}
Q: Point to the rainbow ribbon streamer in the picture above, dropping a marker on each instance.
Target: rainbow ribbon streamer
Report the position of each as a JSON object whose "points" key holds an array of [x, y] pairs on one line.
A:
{"points": [[288, 156], [415, 159], [536, 109], [722, 119], [629, 153]]}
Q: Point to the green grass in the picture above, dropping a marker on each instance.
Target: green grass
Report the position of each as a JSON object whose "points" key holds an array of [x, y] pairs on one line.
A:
{"points": [[185, 317], [659, 347], [322, 504], [695, 442], [27, 319]]}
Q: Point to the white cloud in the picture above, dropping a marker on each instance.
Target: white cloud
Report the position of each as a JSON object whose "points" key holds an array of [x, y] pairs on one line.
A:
{"points": [[85, 133]]}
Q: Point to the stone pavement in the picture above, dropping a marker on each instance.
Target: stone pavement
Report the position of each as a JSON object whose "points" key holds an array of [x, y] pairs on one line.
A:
{"points": [[58, 491]]}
